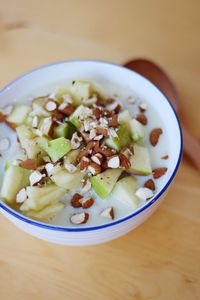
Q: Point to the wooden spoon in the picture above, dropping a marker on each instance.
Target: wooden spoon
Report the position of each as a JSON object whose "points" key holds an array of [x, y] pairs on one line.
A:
{"points": [[157, 76]]}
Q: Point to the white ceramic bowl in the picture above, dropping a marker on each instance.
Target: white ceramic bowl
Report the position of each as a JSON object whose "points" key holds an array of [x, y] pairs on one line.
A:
{"points": [[96, 70]]}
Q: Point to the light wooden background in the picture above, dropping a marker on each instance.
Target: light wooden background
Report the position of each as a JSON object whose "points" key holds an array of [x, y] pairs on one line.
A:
{"points": [[160, 259]]}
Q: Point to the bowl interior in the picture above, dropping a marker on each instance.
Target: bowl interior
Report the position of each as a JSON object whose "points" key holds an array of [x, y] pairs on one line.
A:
{"points": [[46, 79]]}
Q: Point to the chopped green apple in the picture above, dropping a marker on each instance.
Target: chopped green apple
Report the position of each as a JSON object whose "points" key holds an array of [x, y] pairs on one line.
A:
{"points": [[46, 212], [61, 130], [61, 92], [18, 114], [40, 197], [31, 144], [124, 191], [140, 161], [38, 105], [122, 140], [67, 180], [124, 117], [80, 112], [104, 182], [57, 148], [81, 89], [137, 130], [14, 180], [71, 157], [46, 126]]}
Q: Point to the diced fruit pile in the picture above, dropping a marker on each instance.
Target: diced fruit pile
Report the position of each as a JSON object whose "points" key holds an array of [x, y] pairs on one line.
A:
{"points": [[76, 136]]}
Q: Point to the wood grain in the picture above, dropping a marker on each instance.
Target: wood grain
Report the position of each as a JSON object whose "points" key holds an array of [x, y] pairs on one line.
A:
{"points": [[160, 259]]}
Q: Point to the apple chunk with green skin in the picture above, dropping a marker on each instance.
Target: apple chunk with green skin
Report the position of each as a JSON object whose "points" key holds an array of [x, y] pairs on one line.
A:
{"points": [[104, 182], [19, 114], [124, 191], [140, 161], [46, 212], [62, 130], [71, 157], [122, 140], [31, 144], [81, 89], [67, 180], [57, 148], [40, 197], [14, 180], [137, 130], [80, 112]]}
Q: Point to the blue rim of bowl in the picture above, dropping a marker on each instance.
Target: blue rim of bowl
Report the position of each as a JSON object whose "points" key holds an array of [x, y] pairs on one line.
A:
{"points": [[92, 228]]}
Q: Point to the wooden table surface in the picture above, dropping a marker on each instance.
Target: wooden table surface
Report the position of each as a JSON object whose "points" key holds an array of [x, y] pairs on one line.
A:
{"points": [[161, 258]]}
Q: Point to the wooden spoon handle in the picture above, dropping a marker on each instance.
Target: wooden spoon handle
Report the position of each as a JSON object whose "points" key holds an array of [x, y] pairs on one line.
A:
{"points": [[191, 147]]}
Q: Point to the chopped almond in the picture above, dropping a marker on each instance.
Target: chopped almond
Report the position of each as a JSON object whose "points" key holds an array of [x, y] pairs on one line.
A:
{"points": [[113, 121], [68, 110], [108, 213], [155, 135], [97, 113], [29, 164], [87, 203], [150, 184], [165, 157], [83, 152], [114, 162], [84, 163], [142, 119], [93, 168], [91, 145], [78, 219], [157, 173], [124, 161], [102, 131], [110, 101], [75, 200], [2, 117]]}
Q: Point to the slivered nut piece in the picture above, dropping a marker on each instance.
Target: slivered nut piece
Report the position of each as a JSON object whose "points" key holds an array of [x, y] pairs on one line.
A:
{"points": [[51, 105], [78, 219], [21, 196], [157, 173], [93, 168], [4, 144], [165, 157], [75, 200], [143, 107], [114, 162], [87, 203], [75, 141], [142, 119], [29, 164], [84, 163], [155, 135], [144, 193], [98, 137], [49, 167], [68, 110], [97, 158], [124, 161], [102, 131], [92, 134], [108, 213], [86, 186], [35, 177], [150, 184], [113, 121]]}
